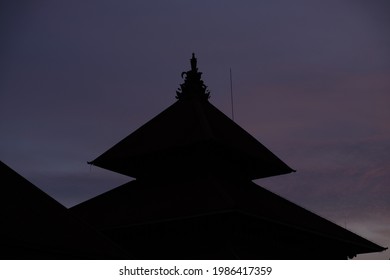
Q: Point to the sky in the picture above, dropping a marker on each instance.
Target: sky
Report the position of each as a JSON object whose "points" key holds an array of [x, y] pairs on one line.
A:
{"points": [[311, 81]]}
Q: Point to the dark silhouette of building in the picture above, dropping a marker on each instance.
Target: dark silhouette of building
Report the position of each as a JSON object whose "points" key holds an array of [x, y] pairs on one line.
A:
{"points": [[35, 226], [193, 196]]}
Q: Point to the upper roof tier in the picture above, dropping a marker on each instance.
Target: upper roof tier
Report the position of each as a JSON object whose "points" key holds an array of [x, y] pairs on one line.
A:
{"points": [[191, 136]]}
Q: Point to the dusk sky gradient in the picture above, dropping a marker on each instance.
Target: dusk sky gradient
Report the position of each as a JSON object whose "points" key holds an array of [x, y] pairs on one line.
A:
{"points": [[311, 81]]}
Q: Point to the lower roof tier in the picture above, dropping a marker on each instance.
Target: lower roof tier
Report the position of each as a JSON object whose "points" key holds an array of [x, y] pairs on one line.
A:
{"points": [[147, 204]]}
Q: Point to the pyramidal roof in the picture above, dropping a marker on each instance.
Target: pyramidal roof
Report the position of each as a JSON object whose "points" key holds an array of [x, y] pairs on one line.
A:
{"points": [[191, 136], [193, 167], [35, 226]]}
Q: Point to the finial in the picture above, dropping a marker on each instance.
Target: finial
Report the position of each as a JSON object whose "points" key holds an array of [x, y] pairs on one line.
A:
{"points": [[193, 86], [193, 63]]}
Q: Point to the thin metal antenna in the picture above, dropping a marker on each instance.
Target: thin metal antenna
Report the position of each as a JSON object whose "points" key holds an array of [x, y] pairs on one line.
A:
{"points": [[231, 93]]}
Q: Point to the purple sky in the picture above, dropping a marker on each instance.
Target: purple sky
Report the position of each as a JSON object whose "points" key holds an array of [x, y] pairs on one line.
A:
{"points": [[311, 82]]}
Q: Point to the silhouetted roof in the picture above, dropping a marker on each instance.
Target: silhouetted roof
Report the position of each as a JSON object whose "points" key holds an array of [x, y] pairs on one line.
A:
{"points": [[194, 167], [141, 202], [191, 134], [35, 226]]}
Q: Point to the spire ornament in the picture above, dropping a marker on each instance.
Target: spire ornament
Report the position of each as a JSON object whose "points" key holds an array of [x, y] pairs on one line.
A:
{"points": [[193, 86]]}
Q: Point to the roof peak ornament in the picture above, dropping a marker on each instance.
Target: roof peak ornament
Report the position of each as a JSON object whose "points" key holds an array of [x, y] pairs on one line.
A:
{"points": [[193, 86]]}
